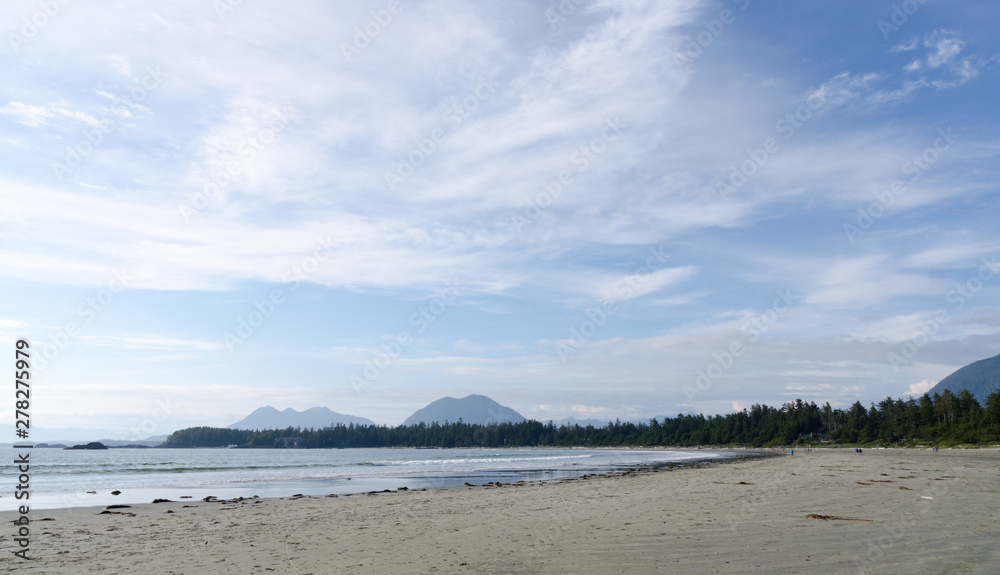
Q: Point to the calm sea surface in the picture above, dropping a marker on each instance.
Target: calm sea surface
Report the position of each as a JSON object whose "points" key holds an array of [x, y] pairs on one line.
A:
{"points": [[63, 478]]}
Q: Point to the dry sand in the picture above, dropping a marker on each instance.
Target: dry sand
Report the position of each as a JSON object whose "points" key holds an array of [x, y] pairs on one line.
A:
{"points": [[926, 513]]}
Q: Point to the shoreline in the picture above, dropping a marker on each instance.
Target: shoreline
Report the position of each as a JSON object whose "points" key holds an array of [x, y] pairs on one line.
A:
{"points": [[886, 511], [233, 478]]}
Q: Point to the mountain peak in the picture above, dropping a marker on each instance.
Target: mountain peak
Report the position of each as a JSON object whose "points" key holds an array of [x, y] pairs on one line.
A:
{"points": [[476, 409], [268, 417], [981, 378]]}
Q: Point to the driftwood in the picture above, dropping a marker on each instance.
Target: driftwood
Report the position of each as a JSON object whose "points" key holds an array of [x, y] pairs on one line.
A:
{"points": [[834, 518]]}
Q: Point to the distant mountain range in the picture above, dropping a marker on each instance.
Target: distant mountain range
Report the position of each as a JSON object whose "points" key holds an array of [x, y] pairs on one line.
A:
{"points": [[477, 409], [72, 435], [316, 417], [981, 378]]}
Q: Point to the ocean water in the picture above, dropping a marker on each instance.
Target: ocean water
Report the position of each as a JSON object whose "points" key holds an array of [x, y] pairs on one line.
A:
{"points": [[60, 479]]}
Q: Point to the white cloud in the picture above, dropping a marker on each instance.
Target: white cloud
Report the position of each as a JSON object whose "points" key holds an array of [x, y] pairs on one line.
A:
{"points": [[637, 285], [898, 95], [921, 387], [35, 115], [843, 88], [943, 57], [945, 48], [906, 47], [867, 280]]}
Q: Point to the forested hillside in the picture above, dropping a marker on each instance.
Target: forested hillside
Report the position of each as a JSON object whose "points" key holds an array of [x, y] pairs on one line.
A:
{"points": [[943, 419]]}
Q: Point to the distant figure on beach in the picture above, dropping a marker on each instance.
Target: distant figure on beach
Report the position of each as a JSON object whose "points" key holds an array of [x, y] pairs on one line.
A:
{"points": [[793, 452]]}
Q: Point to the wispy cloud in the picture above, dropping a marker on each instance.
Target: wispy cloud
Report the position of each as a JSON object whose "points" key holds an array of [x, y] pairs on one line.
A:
{"points": [[35, 115]]}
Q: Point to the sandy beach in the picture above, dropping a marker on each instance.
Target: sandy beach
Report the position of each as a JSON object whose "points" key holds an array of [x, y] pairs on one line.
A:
{"points": [[884, 511]]}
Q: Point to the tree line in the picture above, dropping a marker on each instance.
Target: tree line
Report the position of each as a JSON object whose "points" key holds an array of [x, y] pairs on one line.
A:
{"points": [[944, 419]]}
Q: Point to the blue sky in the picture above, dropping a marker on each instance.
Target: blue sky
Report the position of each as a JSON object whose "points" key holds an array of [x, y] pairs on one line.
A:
{"points": [[590, 209]]}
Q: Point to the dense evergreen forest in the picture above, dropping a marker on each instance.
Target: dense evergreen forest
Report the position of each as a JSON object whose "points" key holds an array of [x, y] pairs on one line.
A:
{"points": [[944, 419]]}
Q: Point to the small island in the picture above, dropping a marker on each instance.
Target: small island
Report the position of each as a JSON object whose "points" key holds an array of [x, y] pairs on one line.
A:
{"points": [[91, 445]]}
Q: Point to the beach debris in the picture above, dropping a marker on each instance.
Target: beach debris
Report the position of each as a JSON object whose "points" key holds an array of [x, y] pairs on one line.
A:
{"points": [[162, 501], [118, 507], [834, 518], [210, 499], [125, 513], [404, 488], [116, 492], [92, 492], [186, 496], [905, 488], [925, 497], [169, 511]]}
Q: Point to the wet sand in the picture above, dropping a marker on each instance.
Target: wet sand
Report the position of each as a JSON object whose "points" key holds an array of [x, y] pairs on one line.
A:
{"points": [[884, 511]]}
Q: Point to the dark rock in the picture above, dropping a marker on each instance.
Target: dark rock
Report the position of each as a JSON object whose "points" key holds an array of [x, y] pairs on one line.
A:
{"points": [[91, 445], [116, 492], [162, 501]]}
